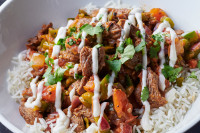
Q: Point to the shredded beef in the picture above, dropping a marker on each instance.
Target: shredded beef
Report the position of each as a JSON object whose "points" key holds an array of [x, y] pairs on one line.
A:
{"points": [[34, 42], [29, 114]]}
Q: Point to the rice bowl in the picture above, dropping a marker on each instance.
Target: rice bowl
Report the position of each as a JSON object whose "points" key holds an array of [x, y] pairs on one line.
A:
{"points": [[179, 96]]}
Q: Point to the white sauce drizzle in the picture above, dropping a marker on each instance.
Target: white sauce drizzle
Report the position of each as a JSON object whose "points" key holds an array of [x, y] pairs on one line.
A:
{"points": [[103, 106], [110, 84], [30, 103], [72, 93], [75, 70], [173, 55], [34, 91], [145, 122], [102, 14], [160, 29], [96, 103], [63, 120], [92, 128], [61, 34], [56, 66]]}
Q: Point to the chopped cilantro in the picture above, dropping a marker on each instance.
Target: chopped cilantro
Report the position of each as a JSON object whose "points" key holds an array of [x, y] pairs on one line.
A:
{"points": [[77, 35], [71, 42], [62, 42], [47, 60], [114, 65], [45, 54], [158, 38], [129, 41], [138, 34], [145, 94], [98, 46], [171, 73], [128, 53], [69, 66], [89, 29], [138, 67], [154, 52], [141, 46], [198, 64], [72, 30], [78, 76], [192, 75]]}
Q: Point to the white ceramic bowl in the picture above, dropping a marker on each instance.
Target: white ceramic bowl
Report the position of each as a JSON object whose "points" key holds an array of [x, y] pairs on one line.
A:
{"points": [[21, 19]]}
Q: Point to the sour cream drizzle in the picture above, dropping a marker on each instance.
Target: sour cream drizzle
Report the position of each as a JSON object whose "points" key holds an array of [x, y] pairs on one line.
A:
{"points": [[75, 70], [56, 66], [102, 14], [173, 55], [30, 103], [63, 121], [160, 29], [34, 91], [61, 34], [145, 122], [72, 93], [96, 104]]}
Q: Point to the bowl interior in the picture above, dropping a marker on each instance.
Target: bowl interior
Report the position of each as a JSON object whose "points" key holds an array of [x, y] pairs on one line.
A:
{"points": [[20, 20]]}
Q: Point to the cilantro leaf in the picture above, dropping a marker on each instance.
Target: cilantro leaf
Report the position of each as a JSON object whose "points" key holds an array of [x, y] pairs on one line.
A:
{"points": [[141, 46], [138, 34], [198, 64], [192, 75], [89, 29], [170, 72], [61, 42], [47, 60], [77, 35], [145, 94], [128, 53], [71, 42], [114, 65], [98, 46], [70, 66], [154, 52], [50, 80], [78, 76], [129, 41], [59, 74], [158, 38]]}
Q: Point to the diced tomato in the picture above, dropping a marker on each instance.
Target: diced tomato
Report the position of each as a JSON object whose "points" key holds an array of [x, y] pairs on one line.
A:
{"points": [[158, 13], [122, 106], [49, 93], [192, 63]]}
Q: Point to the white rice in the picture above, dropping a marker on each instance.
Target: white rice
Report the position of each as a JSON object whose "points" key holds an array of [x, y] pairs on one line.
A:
{"points": [[180, 100], [163, 119], [19, 76]]}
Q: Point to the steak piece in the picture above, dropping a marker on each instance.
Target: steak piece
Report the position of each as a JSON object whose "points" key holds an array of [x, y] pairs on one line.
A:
{"points": [[86, 60], [29, 114], [155, 98], [79, 85]]}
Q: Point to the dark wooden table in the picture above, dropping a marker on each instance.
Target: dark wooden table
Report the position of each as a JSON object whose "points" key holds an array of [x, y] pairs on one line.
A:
{"points": [[195, 129]]}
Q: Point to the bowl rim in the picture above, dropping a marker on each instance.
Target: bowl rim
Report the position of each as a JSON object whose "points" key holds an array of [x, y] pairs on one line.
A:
{"points": [[13, 128]]}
